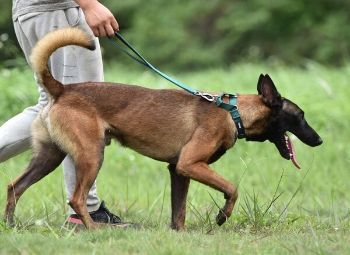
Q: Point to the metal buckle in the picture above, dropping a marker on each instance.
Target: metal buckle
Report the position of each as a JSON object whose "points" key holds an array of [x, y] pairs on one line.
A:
{"points": [[206, 96]]}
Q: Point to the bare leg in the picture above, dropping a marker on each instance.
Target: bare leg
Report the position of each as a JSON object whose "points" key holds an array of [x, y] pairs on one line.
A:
{"points": [[179, 189]]}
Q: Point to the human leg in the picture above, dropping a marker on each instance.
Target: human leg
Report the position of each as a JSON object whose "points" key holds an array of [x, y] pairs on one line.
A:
{"points": [[15, 133], [65, 66]]}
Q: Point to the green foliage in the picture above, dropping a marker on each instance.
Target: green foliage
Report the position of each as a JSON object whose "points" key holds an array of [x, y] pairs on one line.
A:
{"points": [[18, 91], [10, 53], [193, 34]]}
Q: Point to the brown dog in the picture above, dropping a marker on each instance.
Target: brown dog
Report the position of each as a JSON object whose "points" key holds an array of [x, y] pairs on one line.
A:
{"points": [[167, 125]]}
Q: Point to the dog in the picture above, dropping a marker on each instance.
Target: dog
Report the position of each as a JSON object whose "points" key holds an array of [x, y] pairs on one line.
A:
{"points": [[186, 131]]}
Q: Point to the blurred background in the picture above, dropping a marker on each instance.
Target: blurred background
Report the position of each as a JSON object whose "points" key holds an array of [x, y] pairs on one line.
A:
{"points": [[201, 34]]}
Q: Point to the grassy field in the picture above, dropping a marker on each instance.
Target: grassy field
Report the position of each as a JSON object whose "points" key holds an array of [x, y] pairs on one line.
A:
{"points": [[281, 210]]}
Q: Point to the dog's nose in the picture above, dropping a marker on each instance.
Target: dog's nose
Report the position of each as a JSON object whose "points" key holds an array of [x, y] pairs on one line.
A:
{"points": [[320, 141]]}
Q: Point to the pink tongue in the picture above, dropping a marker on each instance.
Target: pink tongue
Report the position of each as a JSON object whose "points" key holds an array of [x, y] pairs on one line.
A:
{"points": [[291, 150]]}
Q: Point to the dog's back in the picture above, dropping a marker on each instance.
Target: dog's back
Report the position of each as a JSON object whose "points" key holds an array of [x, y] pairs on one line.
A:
{"points": [[156, 123]]}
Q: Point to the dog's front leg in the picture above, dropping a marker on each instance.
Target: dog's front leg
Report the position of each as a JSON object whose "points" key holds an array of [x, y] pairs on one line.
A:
{"points": [[193, 164], [201, 172], [179, 189]]}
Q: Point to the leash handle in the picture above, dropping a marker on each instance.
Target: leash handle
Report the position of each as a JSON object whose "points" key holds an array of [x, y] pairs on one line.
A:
{"points": [[141, 60]]}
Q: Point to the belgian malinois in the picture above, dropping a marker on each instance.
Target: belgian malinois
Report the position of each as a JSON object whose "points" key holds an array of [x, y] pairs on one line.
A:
{"points": [[184, 130]]}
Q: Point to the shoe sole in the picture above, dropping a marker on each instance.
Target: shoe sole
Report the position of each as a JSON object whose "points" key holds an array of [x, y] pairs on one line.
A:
{"points": [[76, 221]]}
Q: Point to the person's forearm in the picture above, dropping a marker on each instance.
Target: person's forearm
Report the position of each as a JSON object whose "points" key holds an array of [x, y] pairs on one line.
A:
{"points": [[86, 3]]}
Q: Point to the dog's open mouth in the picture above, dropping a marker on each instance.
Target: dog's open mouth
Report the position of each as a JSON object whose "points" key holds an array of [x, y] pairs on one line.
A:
{"points": [[291, 150]]}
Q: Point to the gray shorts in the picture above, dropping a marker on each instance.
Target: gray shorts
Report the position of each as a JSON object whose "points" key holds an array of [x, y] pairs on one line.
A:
{"points": [[70, 64]]}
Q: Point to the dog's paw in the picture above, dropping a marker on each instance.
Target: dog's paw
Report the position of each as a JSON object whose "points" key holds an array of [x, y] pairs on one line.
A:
{"points": [[221, 218]]}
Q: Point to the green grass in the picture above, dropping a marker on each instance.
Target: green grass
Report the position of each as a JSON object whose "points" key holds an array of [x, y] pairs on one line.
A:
{"points": [[280, 210]]}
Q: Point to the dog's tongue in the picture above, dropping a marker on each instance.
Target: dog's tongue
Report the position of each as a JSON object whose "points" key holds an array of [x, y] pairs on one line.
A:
{"points": [[291, 150]]}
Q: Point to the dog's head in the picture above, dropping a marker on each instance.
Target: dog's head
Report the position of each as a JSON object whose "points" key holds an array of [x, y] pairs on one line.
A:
{"points": [[285, 116]]}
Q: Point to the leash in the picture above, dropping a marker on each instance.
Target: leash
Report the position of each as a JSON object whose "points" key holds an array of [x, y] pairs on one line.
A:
{"points": [[230, 107]]}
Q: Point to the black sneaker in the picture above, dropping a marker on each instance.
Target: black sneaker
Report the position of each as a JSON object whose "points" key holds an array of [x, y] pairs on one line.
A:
{"points": [[101, 215]]}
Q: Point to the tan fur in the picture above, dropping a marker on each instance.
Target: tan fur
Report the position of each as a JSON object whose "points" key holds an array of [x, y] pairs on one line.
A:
{"points": [[255, 122], [52, 41], [47, 45], [40, 134]]}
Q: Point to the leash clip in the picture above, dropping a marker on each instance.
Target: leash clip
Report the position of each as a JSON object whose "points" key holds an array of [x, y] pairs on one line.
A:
{"points": [[206, 96]]}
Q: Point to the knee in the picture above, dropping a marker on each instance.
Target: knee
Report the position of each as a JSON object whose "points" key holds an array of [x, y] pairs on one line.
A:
{"points": [[182, 169], [7, 153], [3, 146], [4, 155], [10, 148]]}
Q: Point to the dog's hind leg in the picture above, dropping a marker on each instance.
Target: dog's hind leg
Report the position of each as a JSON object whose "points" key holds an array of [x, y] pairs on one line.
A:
{"points": [[179, 189], [82, 135], [46, 159], [87, 162], [193, 164]]}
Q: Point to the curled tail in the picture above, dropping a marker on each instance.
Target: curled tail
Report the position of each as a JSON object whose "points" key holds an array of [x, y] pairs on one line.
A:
{"points": [[47, 45]]}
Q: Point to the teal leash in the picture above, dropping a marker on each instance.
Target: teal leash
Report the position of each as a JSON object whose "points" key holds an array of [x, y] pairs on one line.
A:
{"points": [[230, 107], [143, 61]]}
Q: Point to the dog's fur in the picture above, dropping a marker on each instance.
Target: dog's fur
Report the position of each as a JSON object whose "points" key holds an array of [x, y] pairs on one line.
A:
{"points": [[167, 125]]}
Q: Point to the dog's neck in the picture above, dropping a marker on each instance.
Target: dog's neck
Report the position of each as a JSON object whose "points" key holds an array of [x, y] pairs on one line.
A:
{"points": [[254, 114]]}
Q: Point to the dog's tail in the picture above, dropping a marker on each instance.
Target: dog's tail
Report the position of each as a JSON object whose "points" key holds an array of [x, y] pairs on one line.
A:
{"points": [[47, 45]]}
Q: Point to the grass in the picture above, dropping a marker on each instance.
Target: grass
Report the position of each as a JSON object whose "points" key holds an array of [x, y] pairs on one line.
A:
{"points": [[280, 210]]}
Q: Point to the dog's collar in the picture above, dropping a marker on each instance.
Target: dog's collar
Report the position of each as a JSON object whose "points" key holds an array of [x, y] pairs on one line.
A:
{"points": [[233, 109]]}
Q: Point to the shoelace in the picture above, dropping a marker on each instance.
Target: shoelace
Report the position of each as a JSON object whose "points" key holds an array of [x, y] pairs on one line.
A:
{"points": [[111, 217]]}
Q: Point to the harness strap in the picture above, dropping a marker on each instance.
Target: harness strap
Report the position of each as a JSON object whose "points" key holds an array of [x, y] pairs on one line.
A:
{"points": [[233, 109], [231, 106]]}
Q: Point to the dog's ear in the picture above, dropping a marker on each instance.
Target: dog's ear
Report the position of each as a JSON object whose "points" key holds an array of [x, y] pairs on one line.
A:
{"points": [[268, 91], [261, 78]]}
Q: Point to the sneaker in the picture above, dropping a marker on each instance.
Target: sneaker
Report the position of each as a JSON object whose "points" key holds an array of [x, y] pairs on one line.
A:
{"points": [[101, 215]]}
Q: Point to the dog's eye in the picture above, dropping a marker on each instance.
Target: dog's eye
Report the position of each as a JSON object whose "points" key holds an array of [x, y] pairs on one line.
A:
{"points": [[302, 116]]}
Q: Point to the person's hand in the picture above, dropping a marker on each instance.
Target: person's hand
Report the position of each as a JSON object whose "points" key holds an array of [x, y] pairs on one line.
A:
{"points": [[99, 18]]}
